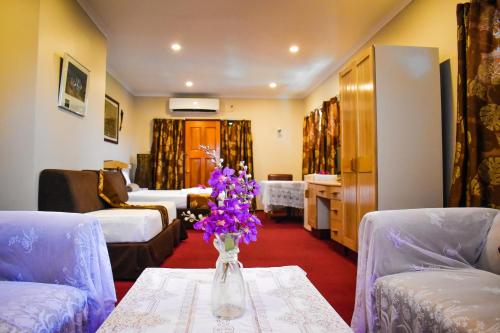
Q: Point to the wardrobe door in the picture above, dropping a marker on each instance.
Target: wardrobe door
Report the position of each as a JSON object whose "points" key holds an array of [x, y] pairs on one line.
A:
{"points": [[348, 120], [366, 136]]}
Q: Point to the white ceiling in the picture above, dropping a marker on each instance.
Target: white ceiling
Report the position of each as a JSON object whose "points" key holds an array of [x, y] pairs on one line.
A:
{"points": [[234, 48]]}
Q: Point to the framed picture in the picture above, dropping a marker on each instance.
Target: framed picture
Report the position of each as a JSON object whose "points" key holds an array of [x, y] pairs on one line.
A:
{"points": [[73, 86], [111, 120]]}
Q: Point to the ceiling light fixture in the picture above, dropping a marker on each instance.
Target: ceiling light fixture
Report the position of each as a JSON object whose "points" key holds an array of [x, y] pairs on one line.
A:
{"points": [[189, 84], [176, 47], [272, 85], [294, 49]]}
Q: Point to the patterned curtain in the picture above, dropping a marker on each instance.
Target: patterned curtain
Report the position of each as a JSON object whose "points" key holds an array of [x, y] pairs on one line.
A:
{"points": [[236, 143], [321, 139], [167, 154], [476, 174], [329, 135], [311, 144]]}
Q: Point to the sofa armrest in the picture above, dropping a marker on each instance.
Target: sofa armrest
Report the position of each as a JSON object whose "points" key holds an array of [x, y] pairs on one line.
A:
{"points": [[60, 248]]}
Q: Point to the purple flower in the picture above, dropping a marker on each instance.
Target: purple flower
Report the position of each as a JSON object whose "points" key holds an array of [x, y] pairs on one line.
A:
{"points": [[233, 191]]}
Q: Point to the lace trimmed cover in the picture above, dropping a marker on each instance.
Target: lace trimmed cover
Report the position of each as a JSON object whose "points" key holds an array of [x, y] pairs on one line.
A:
{"points": [[42, 307], [278, 193], [279, 299], [414, 240], [59, 248], [455, 301]]}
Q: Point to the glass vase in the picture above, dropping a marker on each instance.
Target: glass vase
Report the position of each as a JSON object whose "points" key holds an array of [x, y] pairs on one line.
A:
{"points": [[228, 288]]}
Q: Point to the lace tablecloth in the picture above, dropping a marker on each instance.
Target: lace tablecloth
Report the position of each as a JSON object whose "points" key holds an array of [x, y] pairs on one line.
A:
{"points": [[279, 299], [289, 193]]}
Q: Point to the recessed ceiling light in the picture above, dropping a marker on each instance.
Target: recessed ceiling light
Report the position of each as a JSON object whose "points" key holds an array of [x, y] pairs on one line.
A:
{"points": [[176, 47], [272, 85], [294, 49], [189, 84]]}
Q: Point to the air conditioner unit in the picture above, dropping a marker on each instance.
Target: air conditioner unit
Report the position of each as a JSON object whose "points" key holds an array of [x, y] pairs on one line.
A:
{"points": [[194, 105]]}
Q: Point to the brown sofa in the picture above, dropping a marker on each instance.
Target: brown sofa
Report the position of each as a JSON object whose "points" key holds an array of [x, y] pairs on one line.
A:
{"points": [[76, 192]]}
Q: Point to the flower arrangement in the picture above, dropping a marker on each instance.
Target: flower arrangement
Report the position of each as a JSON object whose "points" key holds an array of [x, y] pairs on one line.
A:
{"points": [[233, 193]]}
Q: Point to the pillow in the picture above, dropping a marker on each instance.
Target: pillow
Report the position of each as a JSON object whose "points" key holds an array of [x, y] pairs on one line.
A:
{"points": [[126, 175], [490, 257], [112, 187], [132, 187]]}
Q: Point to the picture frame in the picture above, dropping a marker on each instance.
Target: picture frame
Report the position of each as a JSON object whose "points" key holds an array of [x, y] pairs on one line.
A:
{"points": [[111, 120], [73, 86]]}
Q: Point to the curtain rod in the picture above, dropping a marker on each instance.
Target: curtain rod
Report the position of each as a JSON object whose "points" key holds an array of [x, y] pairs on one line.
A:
{"points": [[321, 105]]}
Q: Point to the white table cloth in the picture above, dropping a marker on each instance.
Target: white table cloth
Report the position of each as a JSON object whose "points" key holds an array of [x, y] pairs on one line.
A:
{"points": [[289, 193], [279, 299]]}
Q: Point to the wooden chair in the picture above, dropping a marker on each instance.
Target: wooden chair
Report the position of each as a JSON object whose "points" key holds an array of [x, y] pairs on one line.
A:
{"points": [[280, 214]]}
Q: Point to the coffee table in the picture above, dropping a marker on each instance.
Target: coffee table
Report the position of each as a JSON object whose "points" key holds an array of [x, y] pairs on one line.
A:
{"points": [[279, 299]]}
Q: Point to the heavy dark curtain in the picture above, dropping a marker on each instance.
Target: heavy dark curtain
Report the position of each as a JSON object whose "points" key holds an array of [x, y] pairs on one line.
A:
{"points": [[167, 154], [236, 143], [476, 174], [321, 139]]}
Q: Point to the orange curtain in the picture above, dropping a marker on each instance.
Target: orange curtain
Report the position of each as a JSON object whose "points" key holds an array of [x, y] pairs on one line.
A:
{"points": [[321, 139], [167, 154], [476, 174], [236, 143]]}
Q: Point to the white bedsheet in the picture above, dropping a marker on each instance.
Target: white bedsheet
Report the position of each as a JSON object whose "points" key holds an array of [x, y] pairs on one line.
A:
{"points": [[132, 225], [179, 197], [169, 205]]}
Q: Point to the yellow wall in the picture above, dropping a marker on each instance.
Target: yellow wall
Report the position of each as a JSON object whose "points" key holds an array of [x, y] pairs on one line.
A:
{"points": [[272, 154], [123, 151], [19, 40], [430, 23], [63, 139], [34, 133]]}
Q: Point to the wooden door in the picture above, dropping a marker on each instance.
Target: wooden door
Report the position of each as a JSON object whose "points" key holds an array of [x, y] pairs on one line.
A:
{"points": [[198, 165], [366, 140], [348, 118]]}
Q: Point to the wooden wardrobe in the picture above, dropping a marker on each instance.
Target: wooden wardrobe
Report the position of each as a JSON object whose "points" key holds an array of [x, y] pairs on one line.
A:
{"points": [[391, 152]]}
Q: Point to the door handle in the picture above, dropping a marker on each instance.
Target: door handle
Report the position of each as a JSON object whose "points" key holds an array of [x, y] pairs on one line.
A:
{"points": [[354, 164]]}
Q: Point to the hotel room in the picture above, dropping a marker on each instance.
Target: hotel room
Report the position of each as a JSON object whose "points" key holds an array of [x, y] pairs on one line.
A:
{"points": [[250, 166]]}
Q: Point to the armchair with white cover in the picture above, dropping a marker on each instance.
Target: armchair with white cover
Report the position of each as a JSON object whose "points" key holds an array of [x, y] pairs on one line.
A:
{"points": [[428, 270], [55, 273]]}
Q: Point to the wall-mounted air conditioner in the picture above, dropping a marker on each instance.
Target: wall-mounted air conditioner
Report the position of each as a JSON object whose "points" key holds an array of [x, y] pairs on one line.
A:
{"points": [[193, 105]]}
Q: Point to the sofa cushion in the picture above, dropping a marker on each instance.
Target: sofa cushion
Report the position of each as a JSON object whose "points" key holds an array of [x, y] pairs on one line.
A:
{"points": [[112, 187], [41, 307], [490, 257], [451, 300]]}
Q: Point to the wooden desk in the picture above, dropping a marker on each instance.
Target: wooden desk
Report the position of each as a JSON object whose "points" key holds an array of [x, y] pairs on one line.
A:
{"points": [[324, 206]]}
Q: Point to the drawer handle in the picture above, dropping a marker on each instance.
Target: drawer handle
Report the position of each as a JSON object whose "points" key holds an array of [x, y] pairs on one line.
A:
{"points": [[335, 230], [336, 211]]}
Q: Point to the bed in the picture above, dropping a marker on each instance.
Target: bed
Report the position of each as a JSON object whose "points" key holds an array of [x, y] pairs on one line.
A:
{"points": [[179, 197], [133, 225], [136, 238]]}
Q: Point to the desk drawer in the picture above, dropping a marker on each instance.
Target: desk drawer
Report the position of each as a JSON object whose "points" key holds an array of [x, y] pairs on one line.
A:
{"points": [[336, 229], [336, 209], [329, 192]]}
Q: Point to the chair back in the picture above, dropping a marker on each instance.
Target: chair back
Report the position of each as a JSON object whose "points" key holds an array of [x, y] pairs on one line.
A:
{"points": [[279, 176]]}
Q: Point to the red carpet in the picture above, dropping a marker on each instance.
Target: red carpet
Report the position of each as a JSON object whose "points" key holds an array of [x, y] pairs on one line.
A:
{"points": [[279, 244]]}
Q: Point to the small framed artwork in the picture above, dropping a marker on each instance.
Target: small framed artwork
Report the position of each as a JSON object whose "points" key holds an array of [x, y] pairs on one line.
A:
{"points": [[73, 86], [111, 120]]}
